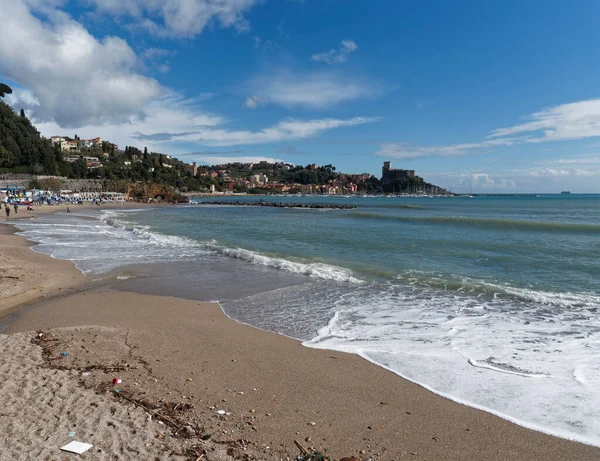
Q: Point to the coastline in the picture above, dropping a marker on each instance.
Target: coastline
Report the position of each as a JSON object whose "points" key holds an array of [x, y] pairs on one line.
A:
{"points": [[26, 276], [354, 404]]}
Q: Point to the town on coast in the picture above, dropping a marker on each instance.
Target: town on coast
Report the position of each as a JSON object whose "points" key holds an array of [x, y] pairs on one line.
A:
{"points": [[62, 168]]}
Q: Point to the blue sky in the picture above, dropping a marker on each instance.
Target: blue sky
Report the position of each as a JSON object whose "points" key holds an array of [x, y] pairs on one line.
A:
{"points": [[476, 96]]}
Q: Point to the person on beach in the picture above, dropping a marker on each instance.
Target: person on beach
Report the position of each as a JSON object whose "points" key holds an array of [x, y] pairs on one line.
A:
{"points": [[16, 208], [7, 209], [68, 210]]}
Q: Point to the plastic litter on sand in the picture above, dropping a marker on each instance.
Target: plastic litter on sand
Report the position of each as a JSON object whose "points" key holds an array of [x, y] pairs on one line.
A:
{"points": [[77, 447]]}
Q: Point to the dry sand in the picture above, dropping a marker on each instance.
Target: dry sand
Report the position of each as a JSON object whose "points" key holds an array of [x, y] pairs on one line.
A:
{"points": [[190, 359], [41, 406]]}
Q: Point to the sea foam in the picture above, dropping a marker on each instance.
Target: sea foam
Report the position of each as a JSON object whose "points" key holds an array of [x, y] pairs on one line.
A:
{"points": [[535, 367]]}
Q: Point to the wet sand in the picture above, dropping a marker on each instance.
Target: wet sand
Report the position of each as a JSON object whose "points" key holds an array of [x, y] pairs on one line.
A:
{"points": [[26, 276]]}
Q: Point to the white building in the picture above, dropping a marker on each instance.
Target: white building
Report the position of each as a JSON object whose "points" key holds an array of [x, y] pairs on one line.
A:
{"points": [[259, 178], [69, 146]]}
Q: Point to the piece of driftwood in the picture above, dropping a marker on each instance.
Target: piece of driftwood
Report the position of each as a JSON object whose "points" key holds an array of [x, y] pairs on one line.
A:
{"points": [[162, 417], [303, 450]]}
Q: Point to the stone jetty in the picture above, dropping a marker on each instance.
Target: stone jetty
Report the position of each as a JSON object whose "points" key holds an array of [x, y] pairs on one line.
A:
{"points": [[281, 205]]}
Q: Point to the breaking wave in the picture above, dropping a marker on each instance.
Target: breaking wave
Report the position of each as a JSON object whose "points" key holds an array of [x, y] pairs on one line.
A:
{"points": [[311, 269]]}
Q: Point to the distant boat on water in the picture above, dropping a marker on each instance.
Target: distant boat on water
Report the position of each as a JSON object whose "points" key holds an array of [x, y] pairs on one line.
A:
{"points": [[566, 192]]}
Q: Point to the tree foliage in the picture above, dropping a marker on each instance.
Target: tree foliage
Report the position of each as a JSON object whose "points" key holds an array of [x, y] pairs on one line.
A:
{"points": [[21, 148], [4, 90]]}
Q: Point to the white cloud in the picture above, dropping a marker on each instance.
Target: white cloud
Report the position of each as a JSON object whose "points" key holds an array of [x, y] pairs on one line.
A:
{"points": [[161, 121], [73, 78], [472, 181], [337, 56], [524, 180], [319, 90], [179, 18], [286, 130], [252, 102], [575, 120], [582, 161], [558, 172], [171, 121], [155, 53], [405, 151], [157, 58]]}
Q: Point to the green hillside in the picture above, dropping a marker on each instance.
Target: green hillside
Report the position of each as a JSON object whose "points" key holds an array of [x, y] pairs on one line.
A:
{"points": [[21, 148]]}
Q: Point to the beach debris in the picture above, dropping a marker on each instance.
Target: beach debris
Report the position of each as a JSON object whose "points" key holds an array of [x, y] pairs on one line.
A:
{"points": [[312, 423], [71, 434], [117, 381], [223, 413], [190, 430], [76, 447], [310, 455], [64, 354], [86, 373]]}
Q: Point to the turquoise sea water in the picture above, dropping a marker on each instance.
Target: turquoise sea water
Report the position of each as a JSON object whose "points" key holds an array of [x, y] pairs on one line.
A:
{"points": [[490, 301]]}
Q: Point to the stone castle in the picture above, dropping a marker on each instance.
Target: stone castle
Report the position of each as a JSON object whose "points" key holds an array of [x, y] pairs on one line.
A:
{"points": [[389, 174]]}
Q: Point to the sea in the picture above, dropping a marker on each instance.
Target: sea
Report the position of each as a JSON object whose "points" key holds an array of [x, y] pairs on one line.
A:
{"points": [[489, 301]]}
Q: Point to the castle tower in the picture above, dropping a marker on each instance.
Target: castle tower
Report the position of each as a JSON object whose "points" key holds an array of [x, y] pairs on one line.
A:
{"points": [[387, 166]]}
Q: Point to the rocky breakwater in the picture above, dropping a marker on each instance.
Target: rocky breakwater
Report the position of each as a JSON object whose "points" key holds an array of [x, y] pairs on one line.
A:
{"points": [[280, 205]]}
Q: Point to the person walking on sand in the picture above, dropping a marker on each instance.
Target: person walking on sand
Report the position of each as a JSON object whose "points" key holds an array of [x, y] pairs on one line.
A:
{"points": [[16, 208], [7, 209]]}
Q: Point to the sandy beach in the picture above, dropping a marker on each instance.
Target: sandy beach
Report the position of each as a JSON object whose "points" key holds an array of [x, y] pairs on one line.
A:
{"points": [[26, 276], [249, 393]]}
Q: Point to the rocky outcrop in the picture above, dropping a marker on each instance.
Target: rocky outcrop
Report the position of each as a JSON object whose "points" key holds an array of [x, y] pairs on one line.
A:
{"points": [[154, 192]]}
